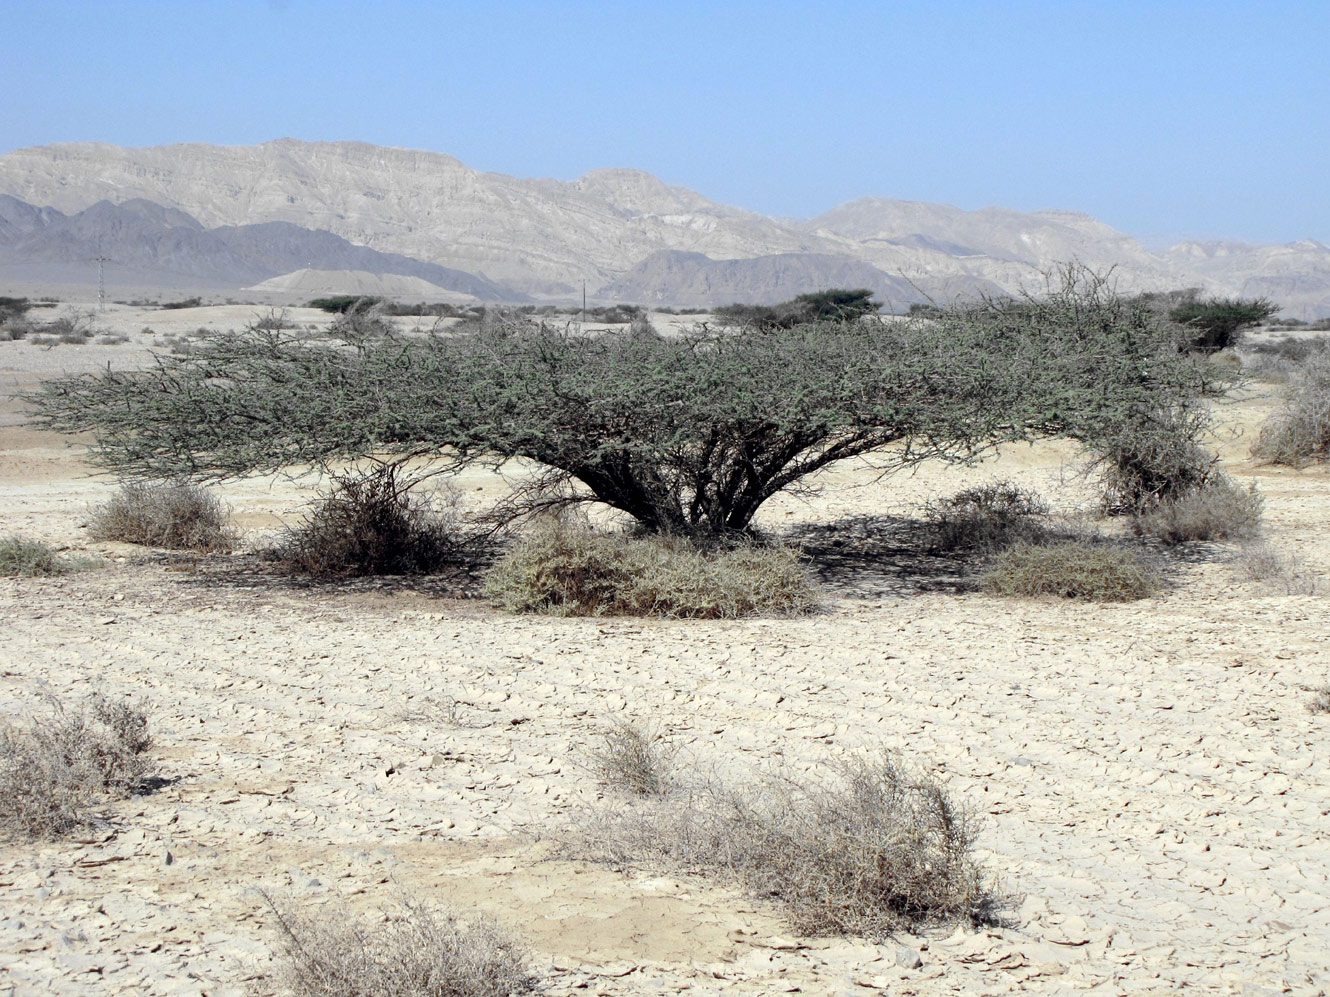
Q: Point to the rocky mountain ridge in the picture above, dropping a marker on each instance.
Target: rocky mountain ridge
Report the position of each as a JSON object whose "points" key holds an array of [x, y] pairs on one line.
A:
{"points": [[609, 228]]}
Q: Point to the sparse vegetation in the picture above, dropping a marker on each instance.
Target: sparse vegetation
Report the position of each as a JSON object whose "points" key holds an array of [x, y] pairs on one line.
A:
{"points": [[568, 570], [1152, 457], [370, 523], [176, 515], [986, 517], [1320, 700], [1299, 433], [636, 759], [186, 303], [1218, 323], [1219, 510], [412, 951], [834, 305], [1285, 573], [59, 768], [864, 847], [1089, 571]]}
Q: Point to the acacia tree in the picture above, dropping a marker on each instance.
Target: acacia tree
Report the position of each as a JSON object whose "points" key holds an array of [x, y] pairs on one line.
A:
{"points": [[689, 434]]}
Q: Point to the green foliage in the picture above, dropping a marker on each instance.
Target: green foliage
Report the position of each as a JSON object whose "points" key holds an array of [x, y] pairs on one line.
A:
{"points": [[13, 308], [343, 303], [1217, 323], [1154, 456], [687, 435], [565, 570], [835, 305], [185, 303], [1092, 572]]}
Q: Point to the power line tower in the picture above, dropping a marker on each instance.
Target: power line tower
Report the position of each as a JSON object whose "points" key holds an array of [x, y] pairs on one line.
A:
{"points": [[101, 262]]}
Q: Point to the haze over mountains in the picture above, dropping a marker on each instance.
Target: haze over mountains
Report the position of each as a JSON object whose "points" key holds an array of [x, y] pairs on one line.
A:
{"points": [[237, 216]]}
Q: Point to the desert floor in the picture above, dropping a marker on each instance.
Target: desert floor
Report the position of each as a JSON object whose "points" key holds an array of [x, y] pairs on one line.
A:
{"points": [[1153, 786]]}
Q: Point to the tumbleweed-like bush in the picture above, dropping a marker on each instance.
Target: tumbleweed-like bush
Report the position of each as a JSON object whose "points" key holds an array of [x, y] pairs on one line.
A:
{"points": [[1299, 433], [986, 516], [862, 847], [177, 515], [1092, 572], [59, 767], [372, 523], [635, 758], [1219, 510], [413, 952], [568, 570]]}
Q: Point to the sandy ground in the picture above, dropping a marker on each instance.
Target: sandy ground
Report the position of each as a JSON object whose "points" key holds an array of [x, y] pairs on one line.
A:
{"points": [[1153, 787]]}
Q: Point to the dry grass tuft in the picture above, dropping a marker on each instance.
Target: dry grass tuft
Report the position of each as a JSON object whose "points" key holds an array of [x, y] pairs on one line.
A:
{"points": [[635, 759], [862, 848], [414, 952], [1284, 573], [175, 515], [56, 771], [1321, 700], [986, 517], [566, 570], [1299, 434], [373, 524], [1219, 510], [1093, 572]]}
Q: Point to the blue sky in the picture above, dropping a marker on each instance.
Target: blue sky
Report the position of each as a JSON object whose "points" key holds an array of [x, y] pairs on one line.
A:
{"points": [[1163, 119]]}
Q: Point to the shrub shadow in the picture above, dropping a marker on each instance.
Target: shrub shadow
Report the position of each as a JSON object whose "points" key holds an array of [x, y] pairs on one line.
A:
{"points": [[868, 557]]}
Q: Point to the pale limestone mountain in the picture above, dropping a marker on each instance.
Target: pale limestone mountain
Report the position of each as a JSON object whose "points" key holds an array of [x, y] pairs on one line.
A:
{"points": [[606, 229], [307, 283]]}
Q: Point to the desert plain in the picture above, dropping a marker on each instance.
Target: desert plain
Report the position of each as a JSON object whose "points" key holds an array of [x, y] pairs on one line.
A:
{"points": [[1153, 789]]}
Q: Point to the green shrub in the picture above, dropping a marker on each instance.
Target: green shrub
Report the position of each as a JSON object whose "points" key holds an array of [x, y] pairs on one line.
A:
{"points": [[564, 570], [1219, 510], [342, 303], [372, 524], [28, 558], [864, 847], [175, 515], [1299, 433], [58, 769], [411, 952], [986, 516], [1155, 456], [1093, 572], [1218, 323]]}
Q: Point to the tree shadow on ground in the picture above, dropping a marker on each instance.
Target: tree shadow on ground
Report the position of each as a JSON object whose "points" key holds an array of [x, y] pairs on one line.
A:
{"points": [[869, 557], [256, 572]]}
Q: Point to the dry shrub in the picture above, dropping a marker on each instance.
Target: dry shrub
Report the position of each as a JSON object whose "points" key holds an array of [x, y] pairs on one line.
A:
{"points": [[1284, 573], [1153, 458], [1321, 700], [56, 771], [371, 523], [635, 759], [987, 517], [1219, 510], [176, 515], [28, 558], [1299, 433], [413, 952], [568, 570], [1093, 572], [863, 847]]}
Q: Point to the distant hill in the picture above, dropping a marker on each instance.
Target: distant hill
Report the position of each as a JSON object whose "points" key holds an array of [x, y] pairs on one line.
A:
{"points": [[545, 238], [148, 238]]}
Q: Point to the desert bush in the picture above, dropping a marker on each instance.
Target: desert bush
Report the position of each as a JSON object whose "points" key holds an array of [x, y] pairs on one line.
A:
{"points": [[1219, 510], [1320, 700], [273, 320], [342, 303], [371, 523], [1218, 323], [57, 770], [834, 305], [1282, 572], [356, 323], [688, 435], [863, 847], [412, 952], [635, 759], [176, 515], [1093, 572], [1299, 433], [186, 303], [1152, 457], [567, 570], [986, 516], [28, 558]]}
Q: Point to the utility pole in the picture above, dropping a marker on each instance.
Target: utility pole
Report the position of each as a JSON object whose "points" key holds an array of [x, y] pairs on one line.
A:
{"points": [[101, 262], [584, 302]]}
